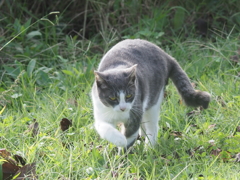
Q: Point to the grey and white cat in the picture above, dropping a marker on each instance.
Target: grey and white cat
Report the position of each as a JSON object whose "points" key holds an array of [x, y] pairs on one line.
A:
{"points": [[129, 88]]}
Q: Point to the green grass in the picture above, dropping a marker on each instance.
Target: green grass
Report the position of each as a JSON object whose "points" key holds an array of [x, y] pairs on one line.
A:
{"points": [[89, 157], [47, 75]]}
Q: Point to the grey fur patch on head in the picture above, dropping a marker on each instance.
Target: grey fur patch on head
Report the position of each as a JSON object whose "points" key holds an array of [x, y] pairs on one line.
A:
{"points": [[111, 83]]}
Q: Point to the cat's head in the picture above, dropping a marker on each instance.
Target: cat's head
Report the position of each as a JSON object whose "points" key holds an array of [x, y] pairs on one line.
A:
{"points": [[116, 88]]}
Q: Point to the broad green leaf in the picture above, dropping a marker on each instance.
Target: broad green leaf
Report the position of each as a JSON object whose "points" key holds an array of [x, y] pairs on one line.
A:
{"points": [[33, 34], [158, 35], [44, 69], [62, 59], [30, 67], [14, 72], [178, 19], [28, 23], [76, 71], [17, 25], [70, 73], [179, 16], [145, 33], [19, 48], [43, 78], [2, 89]]}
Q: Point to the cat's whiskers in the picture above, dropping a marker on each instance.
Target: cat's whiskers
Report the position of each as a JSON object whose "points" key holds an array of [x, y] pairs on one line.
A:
{"points": [[108, 114], [136, 111]]}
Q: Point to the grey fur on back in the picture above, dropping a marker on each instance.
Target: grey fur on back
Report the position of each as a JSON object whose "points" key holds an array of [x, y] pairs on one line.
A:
{"points": [[154, 67]]}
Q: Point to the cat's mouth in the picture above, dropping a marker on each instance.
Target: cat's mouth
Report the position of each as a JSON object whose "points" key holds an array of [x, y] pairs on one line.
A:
{"points": [[121, 109]]}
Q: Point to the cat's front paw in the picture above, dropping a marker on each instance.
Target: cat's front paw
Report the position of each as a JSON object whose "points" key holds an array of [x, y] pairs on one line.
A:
{"points": [[120, 141]]}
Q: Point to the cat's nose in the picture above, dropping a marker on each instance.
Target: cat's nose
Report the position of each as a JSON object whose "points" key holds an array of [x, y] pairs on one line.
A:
{"points": [[122, 108]]}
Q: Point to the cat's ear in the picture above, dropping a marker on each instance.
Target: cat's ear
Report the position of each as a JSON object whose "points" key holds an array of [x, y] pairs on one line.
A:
{"points": [[133, 69], [99, 77], [132, 75]]}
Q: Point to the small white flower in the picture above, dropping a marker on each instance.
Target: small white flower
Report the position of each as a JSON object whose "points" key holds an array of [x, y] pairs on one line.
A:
{"points": [[89, 170], [212, 142]]}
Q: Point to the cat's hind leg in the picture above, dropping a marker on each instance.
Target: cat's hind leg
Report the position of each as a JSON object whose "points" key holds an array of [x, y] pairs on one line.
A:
{"points": [[149, 125]]}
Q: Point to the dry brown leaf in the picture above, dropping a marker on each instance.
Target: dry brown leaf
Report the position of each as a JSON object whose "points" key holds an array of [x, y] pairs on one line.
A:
{"points": [[223, 155], [33, 128], [11, 168], [7, 156], [216, 152], [27, 172], [4, 153], [176, 133], [8, 170], [211, 127], [19, 159], [65, 124]]}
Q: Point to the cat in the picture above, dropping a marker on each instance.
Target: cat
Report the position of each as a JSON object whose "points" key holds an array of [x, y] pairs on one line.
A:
{"points": [[129, 88]]}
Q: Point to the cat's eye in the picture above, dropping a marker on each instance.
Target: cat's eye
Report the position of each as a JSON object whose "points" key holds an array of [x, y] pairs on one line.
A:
{"points": [[112, 98], [128, 96]]}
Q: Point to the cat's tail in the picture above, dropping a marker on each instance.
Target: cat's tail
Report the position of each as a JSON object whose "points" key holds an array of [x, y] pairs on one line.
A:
{"points": [[190, 96]]}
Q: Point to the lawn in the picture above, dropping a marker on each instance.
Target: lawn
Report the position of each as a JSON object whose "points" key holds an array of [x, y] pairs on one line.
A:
{"points": [[46, 114]]}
